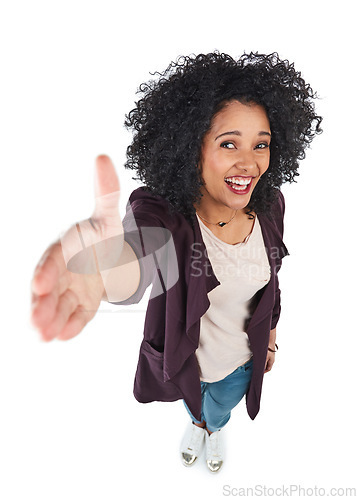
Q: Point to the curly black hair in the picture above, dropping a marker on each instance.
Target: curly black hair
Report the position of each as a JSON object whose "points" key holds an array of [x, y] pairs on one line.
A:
{"points": [[176, 110]]}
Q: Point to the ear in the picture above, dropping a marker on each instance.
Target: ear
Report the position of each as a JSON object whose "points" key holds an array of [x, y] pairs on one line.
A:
{"points": [[199, 164]]}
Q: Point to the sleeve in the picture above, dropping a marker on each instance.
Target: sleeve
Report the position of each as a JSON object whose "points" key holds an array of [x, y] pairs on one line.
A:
{"points": [[154, 248], [277, 307], [284, 252]]}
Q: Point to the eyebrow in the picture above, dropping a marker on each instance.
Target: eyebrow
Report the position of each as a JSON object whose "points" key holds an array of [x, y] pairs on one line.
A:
{"points": [[237, 132]]}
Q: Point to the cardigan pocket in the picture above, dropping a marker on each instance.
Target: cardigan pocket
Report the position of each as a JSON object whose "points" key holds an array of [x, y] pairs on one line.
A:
{"points": [[149, 379]]}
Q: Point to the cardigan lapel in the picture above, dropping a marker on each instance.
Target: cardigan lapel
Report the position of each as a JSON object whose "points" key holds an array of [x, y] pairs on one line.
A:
{"points": [[201, 280], [276, 250]]}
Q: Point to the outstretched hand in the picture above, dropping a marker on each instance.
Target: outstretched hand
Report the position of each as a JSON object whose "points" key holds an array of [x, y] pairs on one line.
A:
{"points": [[67, 286]]}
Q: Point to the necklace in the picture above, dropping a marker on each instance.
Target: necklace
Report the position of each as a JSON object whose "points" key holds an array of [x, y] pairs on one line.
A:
{"points": [[221, 223]]}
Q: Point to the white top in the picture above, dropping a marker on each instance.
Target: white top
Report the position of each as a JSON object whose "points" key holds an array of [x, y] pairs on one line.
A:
{"points": [[242, 270]]}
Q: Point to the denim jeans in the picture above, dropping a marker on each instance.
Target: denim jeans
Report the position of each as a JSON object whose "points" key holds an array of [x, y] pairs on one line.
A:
{"points": [[219, 398]]}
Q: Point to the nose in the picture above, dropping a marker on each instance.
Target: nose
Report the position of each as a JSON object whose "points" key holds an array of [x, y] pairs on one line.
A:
{"points": [[245, 161]]}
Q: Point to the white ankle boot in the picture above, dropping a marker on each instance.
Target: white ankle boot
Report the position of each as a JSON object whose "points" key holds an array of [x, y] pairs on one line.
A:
{"points": [[214, 453], [191, 445]]}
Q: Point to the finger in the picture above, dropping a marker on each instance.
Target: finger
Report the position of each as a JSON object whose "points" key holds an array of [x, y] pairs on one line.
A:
{"points": [[266, 369], [67, 304], [269, 365], [47, 272], [106, 188], [106, 179], [44, 306], [75, 324], [43, 310]]}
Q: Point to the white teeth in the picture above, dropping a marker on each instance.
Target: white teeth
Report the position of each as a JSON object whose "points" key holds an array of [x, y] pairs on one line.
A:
{"points": [[241, 188], [239, 181]]}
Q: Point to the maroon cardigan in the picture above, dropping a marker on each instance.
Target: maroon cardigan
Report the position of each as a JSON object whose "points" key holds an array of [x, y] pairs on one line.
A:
{"points": [[181, 277]]}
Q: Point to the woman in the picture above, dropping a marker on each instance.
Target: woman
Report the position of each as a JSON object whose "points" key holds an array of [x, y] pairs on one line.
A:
{"points": [[214, 140]]}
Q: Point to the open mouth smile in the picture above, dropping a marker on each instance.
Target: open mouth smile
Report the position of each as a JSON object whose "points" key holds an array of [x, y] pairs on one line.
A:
{"points": [[239, 184]]}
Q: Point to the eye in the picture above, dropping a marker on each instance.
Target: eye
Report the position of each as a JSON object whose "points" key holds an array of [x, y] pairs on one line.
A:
{"points": [[262, 145], [227, 145]]}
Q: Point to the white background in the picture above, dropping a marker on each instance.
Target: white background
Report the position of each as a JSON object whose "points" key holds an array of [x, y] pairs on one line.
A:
{"points": [[69, 425]]}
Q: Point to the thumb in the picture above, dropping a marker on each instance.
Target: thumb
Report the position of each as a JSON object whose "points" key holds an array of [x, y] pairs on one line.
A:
{"points": [[85, 250], [106, 188]]}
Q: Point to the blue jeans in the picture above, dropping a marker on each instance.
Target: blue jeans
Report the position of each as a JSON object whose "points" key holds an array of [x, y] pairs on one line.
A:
{"points": [[219, 398]]}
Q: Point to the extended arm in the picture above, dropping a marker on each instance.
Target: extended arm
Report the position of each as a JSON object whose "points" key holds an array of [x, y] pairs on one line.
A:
{"points": [[92, 262]]}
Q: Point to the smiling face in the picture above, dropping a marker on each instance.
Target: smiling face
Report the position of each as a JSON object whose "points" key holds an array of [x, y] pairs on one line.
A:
{"points": [[235, 154]]}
